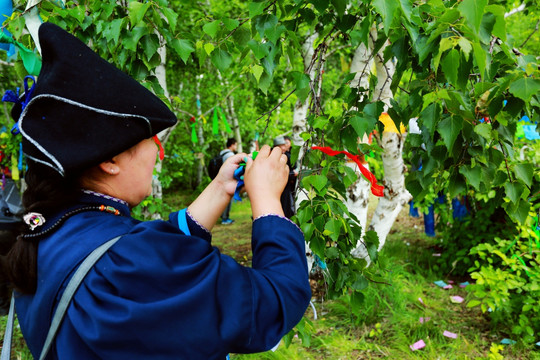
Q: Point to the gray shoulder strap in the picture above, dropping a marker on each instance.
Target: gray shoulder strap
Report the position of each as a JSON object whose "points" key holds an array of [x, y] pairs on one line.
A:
{"points": [[70, 290], [6, 347]]}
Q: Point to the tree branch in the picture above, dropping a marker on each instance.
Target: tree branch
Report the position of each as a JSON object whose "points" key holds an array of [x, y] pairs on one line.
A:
{"points": [[268, 113], [531, 34], [515, 10], [5, 63]]}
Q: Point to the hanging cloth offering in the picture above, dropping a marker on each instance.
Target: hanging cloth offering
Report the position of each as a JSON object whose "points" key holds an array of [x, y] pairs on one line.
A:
{"points": [[31, 61], [376, 189], [14, 168], [227, 127], [193, 130], [6, 9], [215, 121]]}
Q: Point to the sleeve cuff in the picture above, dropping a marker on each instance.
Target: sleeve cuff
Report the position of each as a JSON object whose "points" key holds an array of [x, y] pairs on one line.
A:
{"points": [[281, 217]]}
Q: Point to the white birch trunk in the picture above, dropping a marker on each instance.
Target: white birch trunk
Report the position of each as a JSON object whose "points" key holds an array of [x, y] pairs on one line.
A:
{"points": [[299, 126], [395, 194], [200, 134], [357, 202]]}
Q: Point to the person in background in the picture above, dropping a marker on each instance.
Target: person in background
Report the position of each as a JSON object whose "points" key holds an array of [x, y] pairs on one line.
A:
{"points": [[226, 153], [287, 197], [160, 290]]}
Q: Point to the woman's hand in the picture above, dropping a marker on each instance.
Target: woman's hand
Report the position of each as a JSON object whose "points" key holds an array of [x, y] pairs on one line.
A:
{"points": [[265, 178], [225, 178]]}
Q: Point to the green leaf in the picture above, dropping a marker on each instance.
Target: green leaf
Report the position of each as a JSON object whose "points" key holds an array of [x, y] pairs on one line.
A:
{"points": [[331, 253], [473, 303], [499, 29], [113, 29], [301, 81], [524, 172], [221, 59], [525, 88], [264, 22], [274, 33], [362, 125], [208, 48], [318, 182], [456, 185], [332, 229], [130, 42], [450, 65], [473, 175], [449, 129], [518, 212], [150, 44], [256, 8], [430, 117], [260, 50], [320, 5], [484, 130], [231, 24], [257, 71], [241, 37], [473, 10], [171, 16], [212, 28], [137, 11], [387, 10], [465, 46], [406, 8], [445, 44], [340, 6], [264, 82], [514, 191], [481, 58], [350, 177], [360, 284], [183, 48]]}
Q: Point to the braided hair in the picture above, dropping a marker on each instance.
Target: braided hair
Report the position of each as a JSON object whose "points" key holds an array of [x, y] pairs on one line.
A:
{"points": [[47, 193]]}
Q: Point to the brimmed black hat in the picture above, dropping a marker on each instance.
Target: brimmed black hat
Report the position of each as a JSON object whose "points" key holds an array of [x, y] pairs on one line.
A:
{"points": [[84, 110]]}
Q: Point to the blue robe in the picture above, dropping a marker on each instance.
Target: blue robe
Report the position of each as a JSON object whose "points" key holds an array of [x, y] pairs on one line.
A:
{"points": [[164, 293]]}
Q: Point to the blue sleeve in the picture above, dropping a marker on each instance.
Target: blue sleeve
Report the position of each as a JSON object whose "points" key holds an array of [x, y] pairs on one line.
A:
{"points": [[189, 226], [158, 293]]}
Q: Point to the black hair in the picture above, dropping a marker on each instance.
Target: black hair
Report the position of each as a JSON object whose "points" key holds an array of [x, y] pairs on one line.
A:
{"points": [[47, 192], [231, 141]]}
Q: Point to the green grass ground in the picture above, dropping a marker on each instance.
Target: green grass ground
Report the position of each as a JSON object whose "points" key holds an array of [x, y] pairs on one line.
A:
{"points": [[388, 321]]}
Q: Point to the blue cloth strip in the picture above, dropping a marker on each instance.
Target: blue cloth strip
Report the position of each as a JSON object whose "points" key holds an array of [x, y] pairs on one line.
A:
{"points": [[182, 222]]}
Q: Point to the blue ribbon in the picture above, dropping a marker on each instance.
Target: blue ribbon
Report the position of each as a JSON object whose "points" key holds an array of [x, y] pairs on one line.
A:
{"points": [[10, 96], [20, 165], [238, 176]]}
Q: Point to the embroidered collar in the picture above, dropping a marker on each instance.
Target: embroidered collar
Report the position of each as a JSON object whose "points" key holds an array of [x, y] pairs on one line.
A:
{"points": [[108, 197]]}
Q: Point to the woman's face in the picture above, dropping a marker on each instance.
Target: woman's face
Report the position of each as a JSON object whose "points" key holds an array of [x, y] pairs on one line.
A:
{"points": [[136, 169]]}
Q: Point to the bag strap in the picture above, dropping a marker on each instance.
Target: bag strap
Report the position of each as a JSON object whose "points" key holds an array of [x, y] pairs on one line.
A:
{"points": [[8, 334], [70, 290]]}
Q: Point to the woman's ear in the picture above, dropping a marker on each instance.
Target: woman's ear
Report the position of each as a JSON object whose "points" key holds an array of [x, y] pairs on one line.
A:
{"points": [[109, 167]]}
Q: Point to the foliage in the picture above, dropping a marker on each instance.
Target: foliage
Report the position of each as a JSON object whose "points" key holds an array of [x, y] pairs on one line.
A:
{"points": [[507, 278], [456, 71], [483, 223]]}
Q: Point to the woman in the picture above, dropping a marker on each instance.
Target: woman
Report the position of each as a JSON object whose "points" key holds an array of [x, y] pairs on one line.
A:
{"points": [[161, 291]]}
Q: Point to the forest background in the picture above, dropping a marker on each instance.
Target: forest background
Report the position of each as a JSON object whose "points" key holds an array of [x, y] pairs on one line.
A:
{"points": [[323, 71]]}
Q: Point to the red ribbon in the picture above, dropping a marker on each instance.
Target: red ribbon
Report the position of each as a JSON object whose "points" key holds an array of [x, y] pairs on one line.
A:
{"points": [[376, 190], [161, 150]]}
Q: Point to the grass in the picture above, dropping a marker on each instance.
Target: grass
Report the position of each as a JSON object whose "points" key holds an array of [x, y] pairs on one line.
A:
{"points": [[388, 321]]}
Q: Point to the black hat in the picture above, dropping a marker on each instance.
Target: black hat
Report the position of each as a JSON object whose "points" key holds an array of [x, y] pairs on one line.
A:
{"points": [[83, 110]]}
